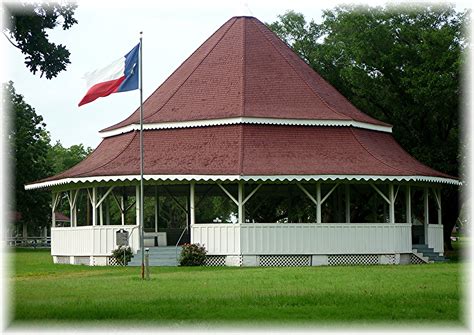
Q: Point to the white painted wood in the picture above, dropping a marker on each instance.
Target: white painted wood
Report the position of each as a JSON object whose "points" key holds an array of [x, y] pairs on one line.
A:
{"points": [[137, 204], [387, 200], [408, 204], [303, 238], [305, 191], [246, 120], [89, 240], [437, 196], [240, 204], [99, 202], [101, 215], [53, 209], [318, 202], [268, 178], [329, 193], [440, 217], [156, 208], [391, 198], [435, 237], [218, 239], [94, 208], [252, 193], [228, 193], [122, 210], [426, 213], [192, 204]]}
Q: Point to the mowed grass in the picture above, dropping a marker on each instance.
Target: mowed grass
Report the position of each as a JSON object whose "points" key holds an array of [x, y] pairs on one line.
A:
{"points": [[43, 292]]}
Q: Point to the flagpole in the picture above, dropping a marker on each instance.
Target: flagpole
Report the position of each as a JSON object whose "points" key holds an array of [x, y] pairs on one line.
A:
{"points": [[142, 237]]}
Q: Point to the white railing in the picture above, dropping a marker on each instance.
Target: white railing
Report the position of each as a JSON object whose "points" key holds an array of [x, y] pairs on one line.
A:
{"points": [[303, 238], [90, 240], [435, 237]]}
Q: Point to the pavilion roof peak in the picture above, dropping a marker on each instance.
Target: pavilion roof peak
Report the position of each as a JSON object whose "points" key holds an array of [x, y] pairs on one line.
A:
{"points": [[245, 70]]}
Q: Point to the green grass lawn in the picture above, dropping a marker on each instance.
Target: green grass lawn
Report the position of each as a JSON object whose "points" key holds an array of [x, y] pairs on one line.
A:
{"points": [[45, 293]]}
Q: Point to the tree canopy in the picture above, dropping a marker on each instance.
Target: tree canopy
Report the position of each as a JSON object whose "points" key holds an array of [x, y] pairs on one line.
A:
{"points": [[401, 65], [27, 29], [28, 148], [34, 158]]}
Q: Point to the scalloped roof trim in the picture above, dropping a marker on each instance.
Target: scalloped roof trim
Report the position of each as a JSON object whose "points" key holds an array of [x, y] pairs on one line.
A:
{"points": [[205, 178], [245, 120]]}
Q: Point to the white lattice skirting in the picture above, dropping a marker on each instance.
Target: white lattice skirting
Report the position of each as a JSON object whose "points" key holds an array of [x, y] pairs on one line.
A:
{"points": [[215, 261], [302, 260], [284, 260]]}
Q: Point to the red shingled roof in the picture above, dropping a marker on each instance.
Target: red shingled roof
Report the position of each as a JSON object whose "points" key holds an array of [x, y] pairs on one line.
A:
{"points": [[244, 69], [252, 150]]}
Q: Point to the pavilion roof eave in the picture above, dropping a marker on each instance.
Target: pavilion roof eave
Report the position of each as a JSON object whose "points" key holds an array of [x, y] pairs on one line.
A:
{"points": [[247, 120], [224, 178]]}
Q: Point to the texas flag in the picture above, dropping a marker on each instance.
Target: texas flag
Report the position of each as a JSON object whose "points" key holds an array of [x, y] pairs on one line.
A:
{"points": [[120, 76]]}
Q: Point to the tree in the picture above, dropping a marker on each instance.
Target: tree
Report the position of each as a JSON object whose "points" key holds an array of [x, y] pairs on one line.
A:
{"points": [[27, 30], [401, 65], [28, 148], [62, 158]]}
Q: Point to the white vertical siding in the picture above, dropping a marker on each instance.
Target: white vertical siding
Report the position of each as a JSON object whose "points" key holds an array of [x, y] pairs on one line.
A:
{"points": [[305, 238], [435, 237], [89, 240]]}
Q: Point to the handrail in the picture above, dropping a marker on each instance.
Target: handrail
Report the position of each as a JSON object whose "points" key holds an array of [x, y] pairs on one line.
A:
{"points": [[179, 240]]}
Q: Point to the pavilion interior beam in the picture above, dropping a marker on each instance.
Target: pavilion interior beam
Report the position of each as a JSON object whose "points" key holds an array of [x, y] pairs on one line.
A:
{"points": [[228, 193], [176, 200], [54, 204], [305, 191], [252, 193], [437, 195], [72, 198], [104, 196], [329, 193], [381, 193]]}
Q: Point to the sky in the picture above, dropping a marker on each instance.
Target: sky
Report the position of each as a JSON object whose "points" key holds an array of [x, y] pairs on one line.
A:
{"points": [[106, 30]]}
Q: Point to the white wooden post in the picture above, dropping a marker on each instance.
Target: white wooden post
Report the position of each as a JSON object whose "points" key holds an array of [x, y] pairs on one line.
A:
{"points": [[94, 209], [426, 213], [73, 208], [241, 203], [408, 204], [348, 203], [101, 215], [122, 209], [391, 197], [318, 202], [137, 204], [156, 209], [53, 209], [107, 213], [440, 218], [192, 203]]}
